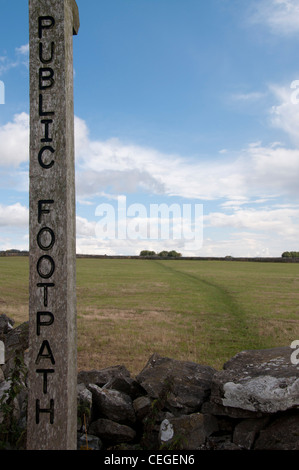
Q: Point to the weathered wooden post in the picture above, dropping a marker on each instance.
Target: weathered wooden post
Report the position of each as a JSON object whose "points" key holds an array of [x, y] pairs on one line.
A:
{"points": [[52, 406], [2, 353]]}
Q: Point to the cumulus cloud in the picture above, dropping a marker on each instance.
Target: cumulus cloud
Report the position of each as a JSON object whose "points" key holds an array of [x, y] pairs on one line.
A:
{"points": [[14, 216], [256, 171], [23, 50], [113, 167], [282, 16], [248, 97], [243, 244], [22, 58], [281, 221], [92, 183], [14, 138], [285, 114], [273, 170], [85, 228], [239, 185], [122, 167], [6, 64]]}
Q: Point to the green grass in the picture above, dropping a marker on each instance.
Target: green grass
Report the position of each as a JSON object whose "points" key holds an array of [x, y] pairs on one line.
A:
{"points": [[204, 311]]}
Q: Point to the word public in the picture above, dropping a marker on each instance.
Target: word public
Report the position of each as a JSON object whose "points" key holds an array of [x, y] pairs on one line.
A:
{"points": [[45, 238]]}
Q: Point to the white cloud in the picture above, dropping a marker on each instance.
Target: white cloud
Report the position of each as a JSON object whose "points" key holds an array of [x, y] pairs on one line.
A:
{"points": [[22, 58], [272, 170], [282, 222], [81, 137], [23, 50], [257, 171], [285, 115], [128, 168], [6, 65], [84, 228], [242, 183], [14, 138], [127, 247], [14, 216], [282, 16], [113, 167], [253, 96], [242, 244]]}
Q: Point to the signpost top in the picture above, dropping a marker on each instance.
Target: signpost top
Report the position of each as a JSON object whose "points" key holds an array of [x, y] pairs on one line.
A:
{"points": [[76, 20]]}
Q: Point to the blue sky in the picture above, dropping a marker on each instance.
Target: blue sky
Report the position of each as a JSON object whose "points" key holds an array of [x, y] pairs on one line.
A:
{"points": [[185, 102]]}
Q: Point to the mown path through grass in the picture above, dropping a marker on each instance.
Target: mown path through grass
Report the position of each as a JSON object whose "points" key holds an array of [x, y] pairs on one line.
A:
{"points": [[203, 311], [223, 320]]}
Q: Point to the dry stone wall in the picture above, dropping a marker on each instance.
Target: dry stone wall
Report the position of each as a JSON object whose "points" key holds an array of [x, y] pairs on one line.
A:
{"points": [[251, 404]]}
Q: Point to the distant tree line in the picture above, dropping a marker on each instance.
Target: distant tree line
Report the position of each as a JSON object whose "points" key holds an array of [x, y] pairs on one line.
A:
{"points": [[290, 254], [14, 252], [162, 254]]}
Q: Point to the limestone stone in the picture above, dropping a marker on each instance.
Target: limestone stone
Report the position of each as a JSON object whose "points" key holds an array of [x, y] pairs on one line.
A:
{"points": [[84, 409], [84, 394], [103, 376], [16, 343], [113, 405], [188, 432], [262, 381], [6, 324], [281, 434], [126, 385], [246, 432], [111, 432], [215, 427], [88, 442], [142, 406], [188, 383], [16, 340], [217, 409], [222, 443], [5, 388]]}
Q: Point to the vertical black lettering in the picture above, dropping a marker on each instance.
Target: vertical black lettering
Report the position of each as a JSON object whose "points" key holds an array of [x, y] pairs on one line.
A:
{"points": [[40, 323], [41, 210], [49, 267], [45, 287], [45, 22], [47, 123], [40, 108], [39, 410], [40, 241], [45, 373], [40, 160], [41, 55], [46, 74], [47, 355]]}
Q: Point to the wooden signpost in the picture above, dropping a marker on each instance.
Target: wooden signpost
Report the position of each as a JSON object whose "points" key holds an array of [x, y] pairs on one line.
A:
{"points": [[52, 405]]}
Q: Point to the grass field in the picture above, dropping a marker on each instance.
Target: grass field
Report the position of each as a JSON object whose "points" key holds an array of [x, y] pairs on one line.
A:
{"points": [[203, 311]]}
